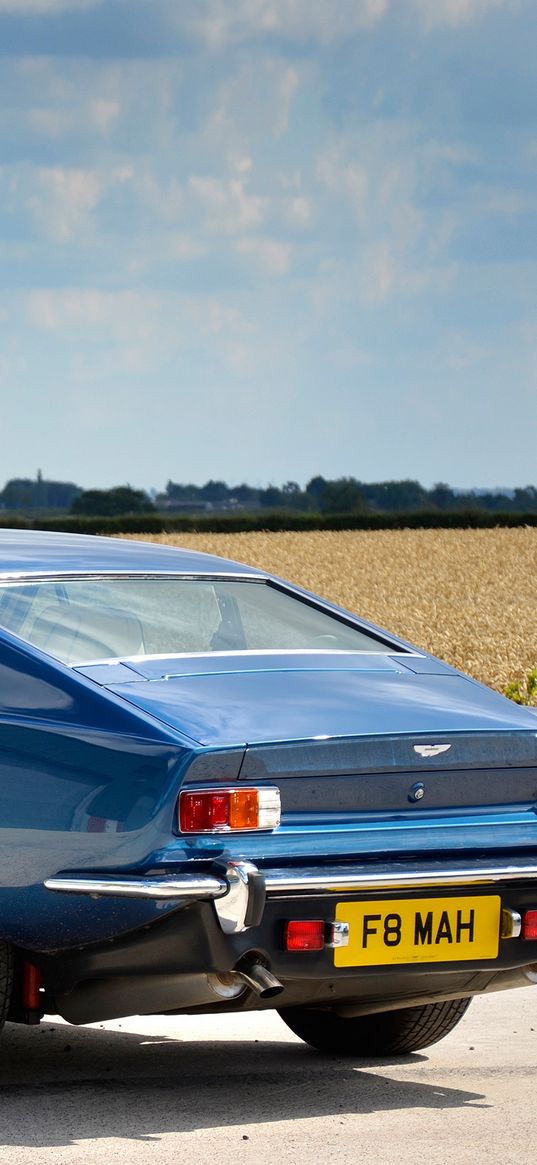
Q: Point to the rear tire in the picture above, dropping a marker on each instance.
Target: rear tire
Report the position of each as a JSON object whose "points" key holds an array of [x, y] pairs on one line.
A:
{"points": [[383, 1033], [6, 980]]}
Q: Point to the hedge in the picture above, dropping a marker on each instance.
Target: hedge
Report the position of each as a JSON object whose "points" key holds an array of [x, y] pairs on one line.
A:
{"points": [[270, 520]]}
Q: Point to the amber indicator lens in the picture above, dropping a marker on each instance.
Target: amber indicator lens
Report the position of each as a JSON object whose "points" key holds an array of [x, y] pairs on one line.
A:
{"points": [[222, 810], [304, 934], [529, 925], [244, 809]]}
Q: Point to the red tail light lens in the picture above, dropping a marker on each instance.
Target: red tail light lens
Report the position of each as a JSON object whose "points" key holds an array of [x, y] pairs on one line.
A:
{"points": [[200, 813], [224, 810], [31, 982], [304, 934], [529, 925]]}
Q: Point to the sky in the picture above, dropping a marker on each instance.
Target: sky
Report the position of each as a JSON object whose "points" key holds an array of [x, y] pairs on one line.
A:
{"points": [[261, 240]]}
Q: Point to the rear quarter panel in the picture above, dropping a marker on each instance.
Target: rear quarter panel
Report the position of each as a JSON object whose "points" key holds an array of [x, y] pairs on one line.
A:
{"points": [[85, 783]]}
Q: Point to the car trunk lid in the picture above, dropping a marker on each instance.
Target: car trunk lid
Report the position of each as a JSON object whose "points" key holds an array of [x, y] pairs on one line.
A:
{"points": [[228, 700]]}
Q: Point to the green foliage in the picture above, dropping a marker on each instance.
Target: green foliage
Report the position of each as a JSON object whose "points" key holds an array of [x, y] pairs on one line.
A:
{"points": [[21, 493], [239, 521], [523, 691], [122, 499], [395, 496], [342, 497], [289, 497]]}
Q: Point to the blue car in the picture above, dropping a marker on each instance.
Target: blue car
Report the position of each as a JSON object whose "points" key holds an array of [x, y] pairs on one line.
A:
{"points": [[220, 793]]}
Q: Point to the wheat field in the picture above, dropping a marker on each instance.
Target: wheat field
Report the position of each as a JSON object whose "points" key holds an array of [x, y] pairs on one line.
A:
{"points": [[466, 595]]}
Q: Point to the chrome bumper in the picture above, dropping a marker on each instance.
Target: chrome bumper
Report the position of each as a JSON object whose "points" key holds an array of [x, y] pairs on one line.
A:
{"points": [[238, 895], [189, 886], [239, 889], [397, 876]]}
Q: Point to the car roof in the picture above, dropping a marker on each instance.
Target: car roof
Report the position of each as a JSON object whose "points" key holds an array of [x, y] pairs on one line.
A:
{"points": [[42, 552]]}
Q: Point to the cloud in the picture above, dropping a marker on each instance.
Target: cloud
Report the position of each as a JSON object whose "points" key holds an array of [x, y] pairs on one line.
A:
{"points": [[380, 273], [105, 333], [286, 89], [348, 178], [256, 100], [104, 113], [65, 198], [46, 7], [399, 202], [464, 353], [62, 119], [165, 198], [75, 104], [211, 317], [377, 173], [226, 204], [50, 123], [57, 311], [185, 248], [503, 201], [126, 321], [273, 258], [397, 241], [299, 212], [455, 12], [98, 111], [219, 23]]}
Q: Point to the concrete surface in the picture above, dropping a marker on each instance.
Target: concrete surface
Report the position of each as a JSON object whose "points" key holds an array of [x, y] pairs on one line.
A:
{"points": [[245, 1090]]}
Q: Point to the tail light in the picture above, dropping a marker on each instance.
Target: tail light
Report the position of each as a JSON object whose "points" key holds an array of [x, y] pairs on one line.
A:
{"points": [[303, 934], [224, 810], [529, 925], [31, 982]]}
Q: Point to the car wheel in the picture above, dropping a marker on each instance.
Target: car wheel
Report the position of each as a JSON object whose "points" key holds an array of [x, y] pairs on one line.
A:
{"points": [[379, 1034], [6, 980]]}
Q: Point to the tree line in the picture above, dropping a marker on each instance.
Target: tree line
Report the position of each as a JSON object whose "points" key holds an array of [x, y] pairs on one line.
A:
{"points": [[344, 495]]}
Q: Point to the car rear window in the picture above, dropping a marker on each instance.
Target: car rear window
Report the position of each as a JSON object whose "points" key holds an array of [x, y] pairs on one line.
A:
{"points": [[82, 620]]}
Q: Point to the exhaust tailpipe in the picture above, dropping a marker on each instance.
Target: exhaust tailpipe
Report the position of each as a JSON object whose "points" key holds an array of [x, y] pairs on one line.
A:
{"points": [[260, 980]]}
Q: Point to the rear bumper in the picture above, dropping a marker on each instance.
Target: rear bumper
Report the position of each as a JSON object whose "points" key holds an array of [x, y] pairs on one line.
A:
{"points": [[239, 888], [232, 916]]}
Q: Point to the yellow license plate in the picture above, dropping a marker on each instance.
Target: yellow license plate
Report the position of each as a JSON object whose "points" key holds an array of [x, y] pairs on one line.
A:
{"points": [[422, 930]]}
